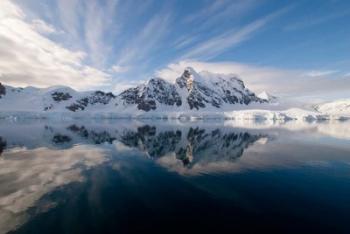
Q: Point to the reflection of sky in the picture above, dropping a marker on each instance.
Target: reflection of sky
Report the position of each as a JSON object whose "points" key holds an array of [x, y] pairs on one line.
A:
{"points": [[33, 165]]}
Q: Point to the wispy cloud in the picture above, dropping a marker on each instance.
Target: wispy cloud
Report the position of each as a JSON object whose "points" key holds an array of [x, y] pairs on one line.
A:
{"points": [[69, 13], [184, 41], [314, 20], [221, 11], [207, 11], [219, 44], [146, 42], [99, 24]]}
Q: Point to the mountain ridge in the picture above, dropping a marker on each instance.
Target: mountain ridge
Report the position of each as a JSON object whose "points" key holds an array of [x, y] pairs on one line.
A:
{"points": [[191, 91], [192, 96]]}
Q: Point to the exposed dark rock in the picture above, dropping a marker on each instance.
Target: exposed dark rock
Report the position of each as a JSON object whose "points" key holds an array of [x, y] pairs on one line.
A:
{"points": [[81, 131], [49, 107], [60, 96], [97, 97], [200, 95], [61, 139], [147, 96], [2, 90]]}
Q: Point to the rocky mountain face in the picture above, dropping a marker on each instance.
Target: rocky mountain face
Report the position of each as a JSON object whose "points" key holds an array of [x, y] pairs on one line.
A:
{"points": [[97, 97], [148, 95], [191, 91], [207, 89]]}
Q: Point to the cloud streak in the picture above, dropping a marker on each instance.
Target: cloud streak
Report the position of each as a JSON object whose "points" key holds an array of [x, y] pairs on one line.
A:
{"points": [[215, 46]]}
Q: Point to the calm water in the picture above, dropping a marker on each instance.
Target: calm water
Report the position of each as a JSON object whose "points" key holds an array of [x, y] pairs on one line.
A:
{"points": [[167, 177]]}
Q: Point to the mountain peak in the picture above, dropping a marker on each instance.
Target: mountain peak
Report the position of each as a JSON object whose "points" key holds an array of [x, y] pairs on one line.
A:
{"points": [[186, 79], [267, 96]]}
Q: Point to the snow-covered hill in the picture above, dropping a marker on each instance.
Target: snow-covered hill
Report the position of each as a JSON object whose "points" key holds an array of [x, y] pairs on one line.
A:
{"points": [[339, 107], [192, 95], [53, 99]]}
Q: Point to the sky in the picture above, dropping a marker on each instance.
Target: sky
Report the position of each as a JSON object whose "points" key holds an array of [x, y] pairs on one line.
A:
{"points": [[297, 49]]}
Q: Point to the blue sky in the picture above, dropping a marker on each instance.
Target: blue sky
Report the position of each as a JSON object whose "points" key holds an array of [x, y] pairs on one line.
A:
{"points": [[284, 47]]}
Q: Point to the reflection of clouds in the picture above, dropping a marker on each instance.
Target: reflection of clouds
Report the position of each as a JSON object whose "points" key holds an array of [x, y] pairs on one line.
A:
{"points": [[28, 175], [340, 130]]}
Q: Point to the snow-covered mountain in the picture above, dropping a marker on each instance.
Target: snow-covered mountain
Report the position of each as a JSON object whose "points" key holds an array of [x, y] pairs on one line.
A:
{"points": [[192, 95], [191, 91]]}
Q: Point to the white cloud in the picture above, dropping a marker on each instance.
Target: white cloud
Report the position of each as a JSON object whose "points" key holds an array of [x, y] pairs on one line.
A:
{"points": [[282, 82], [29, 58]]}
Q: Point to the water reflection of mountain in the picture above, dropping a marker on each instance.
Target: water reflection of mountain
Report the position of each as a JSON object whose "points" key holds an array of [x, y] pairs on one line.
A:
{"points": [[189, 144], [2, 145]]}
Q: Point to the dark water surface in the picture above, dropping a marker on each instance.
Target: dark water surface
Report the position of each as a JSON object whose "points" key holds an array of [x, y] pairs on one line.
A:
{"points": [[173, 177]]}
